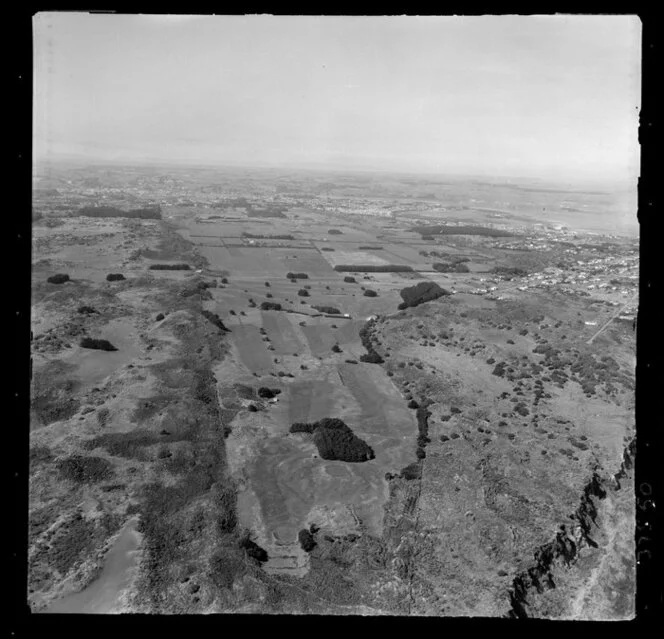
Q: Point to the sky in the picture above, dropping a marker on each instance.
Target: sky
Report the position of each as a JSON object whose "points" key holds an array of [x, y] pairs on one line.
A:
{"points": [[548, 97]]}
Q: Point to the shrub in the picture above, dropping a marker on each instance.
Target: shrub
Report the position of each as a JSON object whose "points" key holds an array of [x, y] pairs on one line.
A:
{"points": [[349, 279], [335, 232], [297, 276], [86, 310], [214, 319], [97, 344], [270, 306], [306, 540], [58, 278], [412, 471], [159, 317], [336, 348], [413, 404], [371, 358], [224, 280], [369, 293], [329, 310], [446, 267], [336, 441], [170, 267], [115, 277], [303, 292], [351, 361], [253, 550]]}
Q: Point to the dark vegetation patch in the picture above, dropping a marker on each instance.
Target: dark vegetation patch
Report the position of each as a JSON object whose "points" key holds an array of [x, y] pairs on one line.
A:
{"points": [[115, 277], [97, 344], [86, 310], [306, 539], [213, 318], [412, 471], [303, 292], [373, 268], [509, 271], [253, 550], [330, 310], [297, 276], [420, 293], [370, 293], [270, 306], [327, 248], [283, 236], [148, 213], [370, 248], [448, 267], [335, 440], [84, 470], [442, 229], [58, 278], [371, 356], [349, 279], [169, 267], [335, 232]]}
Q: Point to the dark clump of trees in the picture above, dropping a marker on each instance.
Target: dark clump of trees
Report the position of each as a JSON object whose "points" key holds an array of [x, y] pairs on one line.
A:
{"points": [[253, 550], [214, 319], [349, 279], [306, 540], [297, 276], [86, 310], [115, 277], [442, 229], [159, 317], [303, 292], [370, 248], [97, 344], [58, 278], [82, 469], [371, 357], [335, 440], [330, 310], [148, 213], [422, 292], [412, 471], [268, 237], [268, 393], [335, 232], [336, 348], [270, 306], [169, 267], [369, 293], [514, 271], [374, 268], [446, 267]]}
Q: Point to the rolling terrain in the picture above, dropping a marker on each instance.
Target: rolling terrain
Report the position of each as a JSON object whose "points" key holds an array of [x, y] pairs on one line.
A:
{"points": [[166, 475]]}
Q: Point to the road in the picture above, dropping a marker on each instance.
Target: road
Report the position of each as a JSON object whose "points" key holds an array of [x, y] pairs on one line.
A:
{"points": [[618, 312]]}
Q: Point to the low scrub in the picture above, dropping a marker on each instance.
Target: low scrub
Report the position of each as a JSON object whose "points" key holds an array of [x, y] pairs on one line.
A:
{"points": [[349, 279], [85, 470], [115, 277], [297, 276], [369, 293], [335, 232], [97, 344], [442, 229], [303, 292]]}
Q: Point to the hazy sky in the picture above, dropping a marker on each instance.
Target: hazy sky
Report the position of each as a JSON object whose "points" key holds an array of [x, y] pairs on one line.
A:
{"points": [[536, 96]]}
